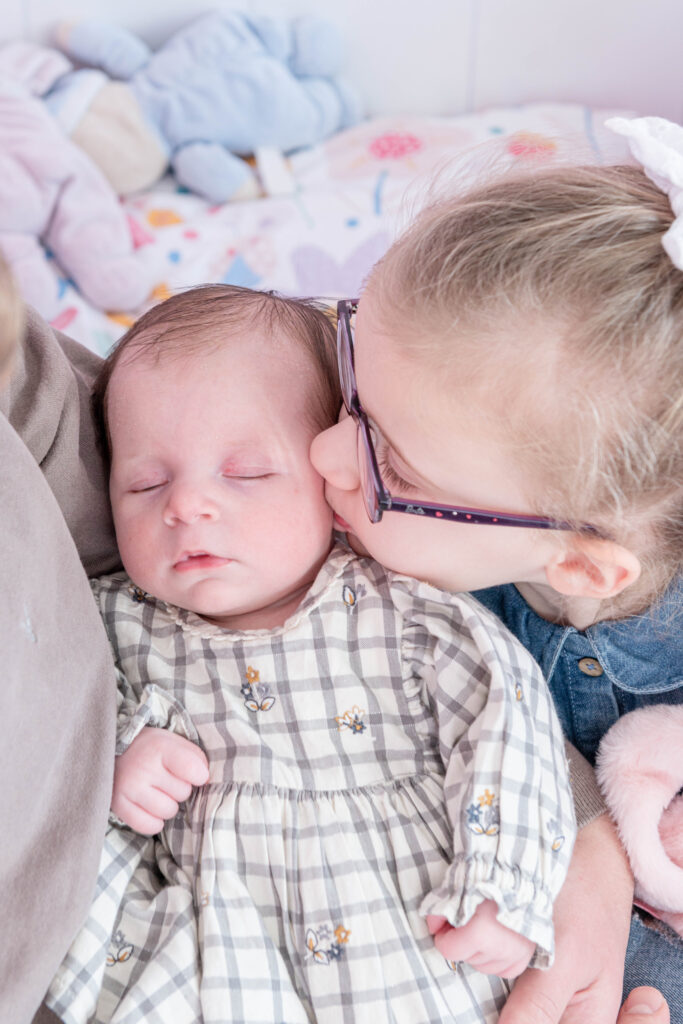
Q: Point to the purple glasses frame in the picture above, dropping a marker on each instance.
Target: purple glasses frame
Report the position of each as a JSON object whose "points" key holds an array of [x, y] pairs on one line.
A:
{"points": [[378, 499]]}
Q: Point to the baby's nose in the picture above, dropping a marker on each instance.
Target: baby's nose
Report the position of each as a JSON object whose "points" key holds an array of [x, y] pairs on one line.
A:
{"points": [[334, 454], [188, 503]]}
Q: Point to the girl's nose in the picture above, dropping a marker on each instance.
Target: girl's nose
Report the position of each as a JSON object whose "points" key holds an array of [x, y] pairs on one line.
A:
{"points": [[187, 503], [334, 454]]}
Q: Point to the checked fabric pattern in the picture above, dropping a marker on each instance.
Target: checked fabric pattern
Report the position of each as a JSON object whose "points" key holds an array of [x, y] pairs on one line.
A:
{"points": [[390, 751]]}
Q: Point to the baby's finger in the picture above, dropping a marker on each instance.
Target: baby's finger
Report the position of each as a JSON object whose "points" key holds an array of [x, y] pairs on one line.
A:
{"points": [[435, 923], [515, 969], [455, 944], [502, 967], [136, 817], [159, 804], [185, 760], [174, 787]]}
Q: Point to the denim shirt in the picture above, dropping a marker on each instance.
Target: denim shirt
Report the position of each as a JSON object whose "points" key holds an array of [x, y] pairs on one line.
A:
{"points": [[598, 674]]}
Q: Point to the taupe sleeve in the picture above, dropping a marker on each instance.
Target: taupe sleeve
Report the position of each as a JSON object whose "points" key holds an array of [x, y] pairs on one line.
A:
{"points": [[58, 692], [47, 402], [588, 801]]}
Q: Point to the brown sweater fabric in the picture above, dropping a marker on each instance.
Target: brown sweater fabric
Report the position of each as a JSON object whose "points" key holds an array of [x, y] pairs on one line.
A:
{"points": [[57, 699]]}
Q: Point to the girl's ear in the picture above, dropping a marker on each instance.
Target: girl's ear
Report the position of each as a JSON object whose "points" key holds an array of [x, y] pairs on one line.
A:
{"points": [[591, 567]]}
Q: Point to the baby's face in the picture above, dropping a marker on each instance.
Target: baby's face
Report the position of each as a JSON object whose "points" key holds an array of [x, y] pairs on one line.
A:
{"points": [[216, 505]]}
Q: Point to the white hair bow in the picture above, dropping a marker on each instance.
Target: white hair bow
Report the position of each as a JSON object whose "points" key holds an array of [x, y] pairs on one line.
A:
{"points": [[657, 144]]}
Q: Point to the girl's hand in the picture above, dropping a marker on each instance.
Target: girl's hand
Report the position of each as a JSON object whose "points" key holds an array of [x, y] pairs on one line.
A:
{"points": [[592, 920], [484, 943], [155, 774]]}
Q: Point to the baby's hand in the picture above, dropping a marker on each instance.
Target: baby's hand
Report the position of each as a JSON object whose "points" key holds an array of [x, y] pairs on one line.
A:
{"points": [[154, 775], [483, 942]]}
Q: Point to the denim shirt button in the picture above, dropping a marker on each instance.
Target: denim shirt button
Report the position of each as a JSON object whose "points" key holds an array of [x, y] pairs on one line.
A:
{"points": [[590, 667]]}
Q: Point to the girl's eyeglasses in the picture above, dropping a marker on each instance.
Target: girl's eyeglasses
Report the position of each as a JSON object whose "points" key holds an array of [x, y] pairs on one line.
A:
{"points": [[378, 500]]}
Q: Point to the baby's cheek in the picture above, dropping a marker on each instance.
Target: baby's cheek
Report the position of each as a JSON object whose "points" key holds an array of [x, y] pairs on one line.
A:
{"points": [[139, 549], [307, 519]]}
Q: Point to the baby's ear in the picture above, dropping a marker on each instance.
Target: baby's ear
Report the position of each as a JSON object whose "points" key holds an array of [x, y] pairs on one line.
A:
{"points": [[592, 567]]}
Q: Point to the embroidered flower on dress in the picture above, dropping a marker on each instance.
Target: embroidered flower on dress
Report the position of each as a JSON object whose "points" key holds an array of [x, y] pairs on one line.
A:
{"points": [[350, 596], [351, 720], [315, 944], [554, 827], [257, 696], [483, 815], [137, 593], [119, 949]]}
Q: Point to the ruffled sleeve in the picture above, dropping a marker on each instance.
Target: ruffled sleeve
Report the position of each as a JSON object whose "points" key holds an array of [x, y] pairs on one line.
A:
{"points": [[139, 703], [506, 779], [155, 708]]}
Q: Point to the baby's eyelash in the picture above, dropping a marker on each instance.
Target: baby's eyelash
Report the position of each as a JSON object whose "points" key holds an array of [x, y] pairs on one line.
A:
{"points": [[389, 475], [145, 489], [248, 477]]}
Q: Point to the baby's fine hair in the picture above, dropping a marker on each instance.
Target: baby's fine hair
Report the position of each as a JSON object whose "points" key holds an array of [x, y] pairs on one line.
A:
{"points": [[202, 319], [553, 289]]}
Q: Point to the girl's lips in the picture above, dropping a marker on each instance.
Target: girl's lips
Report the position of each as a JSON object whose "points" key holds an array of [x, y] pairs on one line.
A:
{"points": [[201, 560], [341, 524]]}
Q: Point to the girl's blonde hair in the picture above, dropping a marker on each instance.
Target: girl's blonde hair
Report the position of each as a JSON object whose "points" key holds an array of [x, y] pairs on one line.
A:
{"points": [[555, 291]]}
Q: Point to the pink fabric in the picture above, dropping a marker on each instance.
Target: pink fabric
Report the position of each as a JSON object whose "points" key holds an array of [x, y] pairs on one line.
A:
{"points": [[640, 771], [51, 193]]}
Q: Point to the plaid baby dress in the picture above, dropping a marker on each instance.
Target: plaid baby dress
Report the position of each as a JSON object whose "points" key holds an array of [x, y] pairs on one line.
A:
{"points": [[390, 751]]}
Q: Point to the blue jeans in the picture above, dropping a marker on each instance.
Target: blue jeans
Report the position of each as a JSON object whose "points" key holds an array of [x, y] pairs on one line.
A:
{"points": [[655, 957]]}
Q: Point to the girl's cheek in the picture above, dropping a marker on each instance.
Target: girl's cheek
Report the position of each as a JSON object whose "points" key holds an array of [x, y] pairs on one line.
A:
{"points": [[376, 539], [400, 544]]}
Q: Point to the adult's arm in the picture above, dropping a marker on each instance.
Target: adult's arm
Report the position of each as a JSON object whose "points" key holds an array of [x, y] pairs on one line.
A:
{"points": [[47, 401], [592, 916], [588, 800], [57, 698]]}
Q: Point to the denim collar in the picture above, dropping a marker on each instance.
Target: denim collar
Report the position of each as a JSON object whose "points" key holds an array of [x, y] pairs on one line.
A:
{"points": [[640, 654]]}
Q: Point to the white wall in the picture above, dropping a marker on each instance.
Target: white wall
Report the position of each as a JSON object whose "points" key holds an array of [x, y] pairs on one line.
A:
{"points": [[451, 56]]}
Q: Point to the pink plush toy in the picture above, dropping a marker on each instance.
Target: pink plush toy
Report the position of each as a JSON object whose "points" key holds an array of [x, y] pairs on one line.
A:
{"points": [[640, 771], [51, 193]]}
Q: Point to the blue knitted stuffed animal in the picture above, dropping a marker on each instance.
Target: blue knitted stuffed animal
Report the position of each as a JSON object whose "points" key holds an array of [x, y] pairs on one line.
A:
{"points": [[215, 92]]}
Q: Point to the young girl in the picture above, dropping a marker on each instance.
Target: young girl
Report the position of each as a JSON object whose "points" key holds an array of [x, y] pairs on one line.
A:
{"points": [[520, 350], [382, 757]]}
